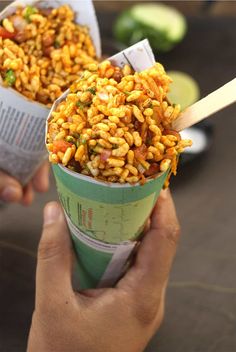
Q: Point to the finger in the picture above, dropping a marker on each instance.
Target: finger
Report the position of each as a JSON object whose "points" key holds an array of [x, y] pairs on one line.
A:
{"points": [[28, 194], [10, 189], [41, 178], [157, 250], [161, 218], [147, 226], [54, 254]]}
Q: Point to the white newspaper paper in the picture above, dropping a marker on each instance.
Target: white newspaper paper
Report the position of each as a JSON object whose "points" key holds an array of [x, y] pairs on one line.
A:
{"points": [[22, 122], [139, 56]]}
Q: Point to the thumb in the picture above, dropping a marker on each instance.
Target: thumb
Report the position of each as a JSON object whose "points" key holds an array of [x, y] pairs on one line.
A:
{"points": [[54, 254], [10, 189]]}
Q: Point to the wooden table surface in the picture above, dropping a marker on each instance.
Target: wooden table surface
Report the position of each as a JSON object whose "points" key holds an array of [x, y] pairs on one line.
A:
{"points": [[201, 299]]}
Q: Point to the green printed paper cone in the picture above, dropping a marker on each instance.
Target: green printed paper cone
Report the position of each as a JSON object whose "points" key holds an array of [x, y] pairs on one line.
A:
{"points": [[105, 220]]}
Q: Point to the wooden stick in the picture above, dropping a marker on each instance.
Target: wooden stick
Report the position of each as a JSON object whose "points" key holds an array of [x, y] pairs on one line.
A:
{"points": [[207, 106]]}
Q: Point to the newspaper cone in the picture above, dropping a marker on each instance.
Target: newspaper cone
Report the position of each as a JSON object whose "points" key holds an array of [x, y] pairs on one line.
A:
{"points": [[105, 219], [22, 122]]}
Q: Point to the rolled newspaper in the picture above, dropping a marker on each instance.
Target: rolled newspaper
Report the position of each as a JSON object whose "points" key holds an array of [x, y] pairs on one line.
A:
{"points": [[22, 121]]}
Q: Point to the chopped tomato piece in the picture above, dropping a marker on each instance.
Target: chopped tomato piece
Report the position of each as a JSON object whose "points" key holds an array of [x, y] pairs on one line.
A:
{"points": [[5, 34], [61, 146], [141, 152], [153, 169]]}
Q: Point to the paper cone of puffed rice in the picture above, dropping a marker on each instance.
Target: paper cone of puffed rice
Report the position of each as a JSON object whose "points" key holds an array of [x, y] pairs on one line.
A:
{"points": [[22, 121], [106, 219]]}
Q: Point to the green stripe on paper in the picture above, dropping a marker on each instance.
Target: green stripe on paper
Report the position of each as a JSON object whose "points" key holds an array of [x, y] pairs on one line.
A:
{"points": [[105, 193], [91, 264]]}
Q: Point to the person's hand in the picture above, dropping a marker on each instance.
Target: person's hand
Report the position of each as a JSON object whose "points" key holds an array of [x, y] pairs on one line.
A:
{"points": [[119, 319], [11, 190]]}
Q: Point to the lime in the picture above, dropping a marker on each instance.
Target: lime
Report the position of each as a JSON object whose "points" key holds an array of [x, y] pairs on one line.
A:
{"points": [[163, 25], [184, 90]]}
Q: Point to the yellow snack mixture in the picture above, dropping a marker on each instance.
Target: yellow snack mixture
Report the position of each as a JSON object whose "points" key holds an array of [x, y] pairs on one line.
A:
{"points": [[115, 125], [42, 51]]}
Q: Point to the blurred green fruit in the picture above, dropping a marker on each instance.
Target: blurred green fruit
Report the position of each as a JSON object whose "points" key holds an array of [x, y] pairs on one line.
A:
{"points": [[184, 90], [163, 25]]}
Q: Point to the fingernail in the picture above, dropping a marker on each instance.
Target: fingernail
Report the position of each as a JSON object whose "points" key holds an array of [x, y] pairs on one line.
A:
{"points": [[51, 213], [9, 194]]}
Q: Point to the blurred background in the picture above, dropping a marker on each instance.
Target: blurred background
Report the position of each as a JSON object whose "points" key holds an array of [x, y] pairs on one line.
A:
{"points": [[186, 7], [201, 300]]}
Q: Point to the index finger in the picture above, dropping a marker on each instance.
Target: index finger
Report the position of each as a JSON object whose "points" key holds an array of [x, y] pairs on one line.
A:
{"points": [[10, 188], [41, 178]]}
